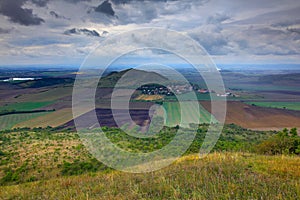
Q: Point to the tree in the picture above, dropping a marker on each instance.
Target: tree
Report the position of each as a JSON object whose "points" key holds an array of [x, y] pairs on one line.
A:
{"points": [[293, 132]]}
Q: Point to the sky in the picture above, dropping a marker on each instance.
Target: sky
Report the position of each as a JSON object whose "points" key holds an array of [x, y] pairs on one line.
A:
{"points": [[64, 32]]}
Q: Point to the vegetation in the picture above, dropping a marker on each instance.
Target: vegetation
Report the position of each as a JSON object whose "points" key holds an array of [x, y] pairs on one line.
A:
{"points": [[24, 106], [284, 142], [174, 114], [218, 176], [9, 121], [43, 153], [54, 164], [53, 119], [282, 105]]}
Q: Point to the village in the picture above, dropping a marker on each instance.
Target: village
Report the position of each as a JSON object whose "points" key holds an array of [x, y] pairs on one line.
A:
{"points": [[171, 90]]}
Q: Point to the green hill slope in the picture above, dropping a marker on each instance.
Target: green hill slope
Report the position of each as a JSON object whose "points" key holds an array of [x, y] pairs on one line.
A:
{"points": [[218, 176]]}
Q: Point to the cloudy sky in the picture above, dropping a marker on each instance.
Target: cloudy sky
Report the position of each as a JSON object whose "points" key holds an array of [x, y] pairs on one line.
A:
{"points": [[64, 32]]}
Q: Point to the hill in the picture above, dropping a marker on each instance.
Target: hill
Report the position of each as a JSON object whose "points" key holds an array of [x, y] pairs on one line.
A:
{"points": [[218, 176], [53, 164], [130, 78]]}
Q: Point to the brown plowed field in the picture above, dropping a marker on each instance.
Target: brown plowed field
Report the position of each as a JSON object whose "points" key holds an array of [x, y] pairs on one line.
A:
{"points": [[260, 118]]}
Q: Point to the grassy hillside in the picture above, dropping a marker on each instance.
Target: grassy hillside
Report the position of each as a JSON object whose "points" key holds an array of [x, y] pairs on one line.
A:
{"points": [[45, 163], [39, 154], [218, 176]]}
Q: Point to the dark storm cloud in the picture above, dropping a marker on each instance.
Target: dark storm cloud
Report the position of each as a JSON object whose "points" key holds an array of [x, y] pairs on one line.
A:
{"points": [[105, 8], [294, 30], [128, 1], [84, 31], [40, 3], [76, 1], [287, 23], [54, 14], [4, 31], [14, 11], [57, 16]]}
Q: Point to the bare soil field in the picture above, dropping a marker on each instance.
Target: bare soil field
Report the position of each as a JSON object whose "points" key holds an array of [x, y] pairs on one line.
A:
{"points": [[259, 118], [106, 118]]}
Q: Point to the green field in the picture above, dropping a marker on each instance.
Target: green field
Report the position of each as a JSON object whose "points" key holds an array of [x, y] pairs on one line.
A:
{"points": [[173, 112], [25, 106], [282, 105], [8, 121]]}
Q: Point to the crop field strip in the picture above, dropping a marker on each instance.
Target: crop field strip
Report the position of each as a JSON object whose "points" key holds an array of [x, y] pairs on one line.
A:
{"points": [[174, 115], [9, 121], [51, 94], [53, 119], [26, 106], [281, 105]]}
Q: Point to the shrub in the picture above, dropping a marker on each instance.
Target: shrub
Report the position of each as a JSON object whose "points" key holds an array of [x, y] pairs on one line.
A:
{"points": [[80, 167], [285, 142]]}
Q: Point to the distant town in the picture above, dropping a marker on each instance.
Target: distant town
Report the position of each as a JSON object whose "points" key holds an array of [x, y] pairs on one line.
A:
{"points": [[171, 90]]}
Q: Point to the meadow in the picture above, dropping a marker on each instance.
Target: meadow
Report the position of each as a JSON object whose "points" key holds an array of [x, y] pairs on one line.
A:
{"points": [[47, 163], [217, 176]]}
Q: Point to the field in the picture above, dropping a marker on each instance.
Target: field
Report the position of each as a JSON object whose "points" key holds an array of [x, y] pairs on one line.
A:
{"points": [[54, 119], [49, 94], [218, 176], [9, 121], [25, 106], [281, 105], [255, 117], [189, 114], [149, 97]]}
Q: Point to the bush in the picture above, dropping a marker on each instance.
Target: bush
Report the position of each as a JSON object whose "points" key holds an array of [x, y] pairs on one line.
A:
{"points": [[80, 167], [285, 142]]}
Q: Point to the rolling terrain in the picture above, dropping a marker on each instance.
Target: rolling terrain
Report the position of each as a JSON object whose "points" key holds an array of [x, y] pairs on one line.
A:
{"points": [[55, 93]]}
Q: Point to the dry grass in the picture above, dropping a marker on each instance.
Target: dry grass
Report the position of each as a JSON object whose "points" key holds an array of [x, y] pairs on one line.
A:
{"points": [[149, 97], [218, 176]]}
